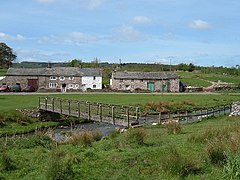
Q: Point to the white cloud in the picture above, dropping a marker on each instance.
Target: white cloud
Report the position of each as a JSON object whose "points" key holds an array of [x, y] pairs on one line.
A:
{"points": [[81, 37], [94, 4], [142, 20], [39, 55], [128, 34], [45, 1], [70, 38], [7, 37], [200, 24]]}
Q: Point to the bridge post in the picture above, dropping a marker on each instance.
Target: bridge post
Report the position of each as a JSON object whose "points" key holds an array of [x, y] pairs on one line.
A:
{"points": [[69, 107], [137, 110], [53, 104], [127, 115], [100, 112], [78, 104], [46, 101], [113, 115], [39, 102], [89, 111], [60, 101]]}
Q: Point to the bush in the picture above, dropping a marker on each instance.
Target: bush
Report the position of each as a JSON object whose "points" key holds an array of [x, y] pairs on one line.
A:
{"points": [[7, 162], [173, 128], [176, 164], [216, 151], [83, 138], [135, 136], [60, 166]]}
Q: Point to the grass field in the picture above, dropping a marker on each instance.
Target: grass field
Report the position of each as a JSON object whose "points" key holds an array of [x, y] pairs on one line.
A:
{"points": [[157, 152], [197, 79], [3, 72], [12, 102], [155, 155]]}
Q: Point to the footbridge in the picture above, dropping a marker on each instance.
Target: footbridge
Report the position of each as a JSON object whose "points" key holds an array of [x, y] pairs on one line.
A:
{"points": [[91, 111]]}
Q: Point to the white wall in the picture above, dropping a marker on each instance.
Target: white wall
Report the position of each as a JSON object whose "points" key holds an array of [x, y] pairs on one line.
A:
{"points": [[89, 82]]}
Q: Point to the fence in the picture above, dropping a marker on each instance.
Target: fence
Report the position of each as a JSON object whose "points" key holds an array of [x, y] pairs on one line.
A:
{"points": [[114, 114], [184, 117]]}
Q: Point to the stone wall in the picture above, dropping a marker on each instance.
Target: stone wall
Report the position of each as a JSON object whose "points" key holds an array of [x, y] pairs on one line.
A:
{"points": [[132, 84], [235, 111]]}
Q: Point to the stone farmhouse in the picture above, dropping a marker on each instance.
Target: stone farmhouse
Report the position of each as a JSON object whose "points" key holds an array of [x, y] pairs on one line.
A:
{"points": [[57, 78], [153, 81]]}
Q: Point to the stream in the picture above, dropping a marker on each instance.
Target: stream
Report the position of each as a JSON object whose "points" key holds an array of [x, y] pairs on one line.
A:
{"points": [[104, 128]]}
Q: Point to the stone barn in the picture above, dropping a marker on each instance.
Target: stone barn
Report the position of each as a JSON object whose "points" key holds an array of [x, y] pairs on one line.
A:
{"points": [[153, 81], [58, 78]]}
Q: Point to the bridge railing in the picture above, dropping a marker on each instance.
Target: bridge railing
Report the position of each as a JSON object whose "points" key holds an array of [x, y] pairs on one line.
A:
{"points": [[115, 114]]}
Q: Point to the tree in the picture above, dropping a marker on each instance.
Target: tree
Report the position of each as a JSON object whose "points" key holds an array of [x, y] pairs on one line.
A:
{"points": [[7, 56]]}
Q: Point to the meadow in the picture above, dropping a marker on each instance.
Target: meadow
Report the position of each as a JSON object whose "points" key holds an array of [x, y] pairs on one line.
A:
{"points": [[208, 149], [201, 79]]}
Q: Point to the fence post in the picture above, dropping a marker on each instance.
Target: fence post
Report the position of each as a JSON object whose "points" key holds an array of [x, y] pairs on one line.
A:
{"points": [[60, 101], [127, 115], [69, 107], [78, 104], [207, 113], [46, 101], [100, 112], [53, 104], [39, 102], [89, 111], [187, 116], [137, 110], [160, 114], [113, 115]]}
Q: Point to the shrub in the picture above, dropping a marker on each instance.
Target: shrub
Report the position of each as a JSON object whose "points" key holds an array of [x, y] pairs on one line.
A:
{"points": [[216, 151], [84, 138], [135, 136], [60, 166], [231, 168], [7, 162], [173, 128], [176, 164]]}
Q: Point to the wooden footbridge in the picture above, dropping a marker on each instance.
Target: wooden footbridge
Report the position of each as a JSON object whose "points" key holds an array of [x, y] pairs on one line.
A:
{"points": [[108, 113]]}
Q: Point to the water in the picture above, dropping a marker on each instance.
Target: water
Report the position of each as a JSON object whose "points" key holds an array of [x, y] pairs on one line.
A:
{"points": [[104, 128]]}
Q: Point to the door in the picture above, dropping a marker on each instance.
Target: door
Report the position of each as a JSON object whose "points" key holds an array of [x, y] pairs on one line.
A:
{"points": [[151, 86], [33, 83]]}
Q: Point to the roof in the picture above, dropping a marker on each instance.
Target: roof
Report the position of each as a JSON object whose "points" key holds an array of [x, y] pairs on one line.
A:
{"points": [[56, 71], [145, 75]]}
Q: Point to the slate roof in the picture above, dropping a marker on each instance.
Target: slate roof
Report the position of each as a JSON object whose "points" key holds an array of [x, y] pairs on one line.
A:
{"points": [[145, 75], [56, 71]]}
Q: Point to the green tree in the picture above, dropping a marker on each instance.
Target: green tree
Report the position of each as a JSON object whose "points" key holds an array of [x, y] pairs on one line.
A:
{"points": [[75, 63], [7, 55]]}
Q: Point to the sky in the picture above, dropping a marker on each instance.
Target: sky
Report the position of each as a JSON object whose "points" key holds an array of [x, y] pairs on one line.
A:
{"points": [[205, 33]]}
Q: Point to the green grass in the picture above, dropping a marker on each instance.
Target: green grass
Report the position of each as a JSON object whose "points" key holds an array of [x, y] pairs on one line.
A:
{"points": [[160, 156], [9, 103], [3, 72], [196, 78]]}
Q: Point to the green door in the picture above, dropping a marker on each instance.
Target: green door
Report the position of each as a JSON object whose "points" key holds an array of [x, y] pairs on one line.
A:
{"points": [[151, 86]]}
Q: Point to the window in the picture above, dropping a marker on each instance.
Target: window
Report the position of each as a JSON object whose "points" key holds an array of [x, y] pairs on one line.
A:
{"points": [[52, 85], [53, 78], [121, 80], [132, 80], [94, 86], [62, 78], [94, 77], [141, 80], [70, 86], [71, 78]]}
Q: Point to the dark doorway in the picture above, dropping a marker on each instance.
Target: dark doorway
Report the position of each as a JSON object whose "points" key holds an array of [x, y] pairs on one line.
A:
{"points": [[33, 83]]}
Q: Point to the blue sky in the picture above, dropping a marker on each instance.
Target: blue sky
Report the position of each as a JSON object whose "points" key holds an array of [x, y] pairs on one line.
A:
{"points": [[205, 32]]}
